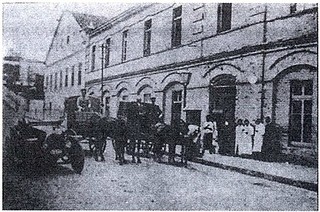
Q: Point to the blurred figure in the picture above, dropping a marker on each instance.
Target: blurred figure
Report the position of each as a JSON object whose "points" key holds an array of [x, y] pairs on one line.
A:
{"points": [[239, 136], [83, 102], [271, 148], [247, 138], [258, 139], [209, 133]]}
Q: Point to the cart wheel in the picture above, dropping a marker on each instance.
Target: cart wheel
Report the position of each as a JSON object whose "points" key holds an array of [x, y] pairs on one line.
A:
{"points": [[77, 158]]}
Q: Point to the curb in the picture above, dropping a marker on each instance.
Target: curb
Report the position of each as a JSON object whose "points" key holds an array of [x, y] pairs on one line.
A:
{"points": [[297, 183]]}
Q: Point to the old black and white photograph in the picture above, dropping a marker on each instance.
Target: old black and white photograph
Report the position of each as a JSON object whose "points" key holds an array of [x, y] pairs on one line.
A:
{"points": [[205, 106]]}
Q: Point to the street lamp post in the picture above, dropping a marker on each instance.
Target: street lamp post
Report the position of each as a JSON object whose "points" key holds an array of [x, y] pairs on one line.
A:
{"points": [[102, 64]]}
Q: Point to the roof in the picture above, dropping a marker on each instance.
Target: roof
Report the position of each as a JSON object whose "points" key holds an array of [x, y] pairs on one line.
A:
{"points": [[87, 22]]}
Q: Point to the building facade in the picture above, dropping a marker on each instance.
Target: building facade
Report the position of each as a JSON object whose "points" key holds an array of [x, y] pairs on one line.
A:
{"points": [[232, 61], [65, 61]]}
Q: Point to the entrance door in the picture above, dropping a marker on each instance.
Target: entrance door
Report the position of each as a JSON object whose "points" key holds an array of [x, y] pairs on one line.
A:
{"points": [[222, 108], [176, 107]]}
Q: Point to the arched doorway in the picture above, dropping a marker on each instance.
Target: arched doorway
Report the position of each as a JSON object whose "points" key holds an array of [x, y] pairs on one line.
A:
{"points": [[222, 101]]}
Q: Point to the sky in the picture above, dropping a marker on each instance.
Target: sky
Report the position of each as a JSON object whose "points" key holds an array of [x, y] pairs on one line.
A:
{"points": [[28, 28]]}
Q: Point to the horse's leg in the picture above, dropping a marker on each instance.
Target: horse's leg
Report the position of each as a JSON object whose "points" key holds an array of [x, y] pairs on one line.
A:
{"points": [[138, 150], [133, 148], [172, 151]]}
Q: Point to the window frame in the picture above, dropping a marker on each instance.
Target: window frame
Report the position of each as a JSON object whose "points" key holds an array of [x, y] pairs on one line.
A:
{"points": [[107, 53], [93, 57], [124, 45], [176, 33], [147, 38], [224, 17]]}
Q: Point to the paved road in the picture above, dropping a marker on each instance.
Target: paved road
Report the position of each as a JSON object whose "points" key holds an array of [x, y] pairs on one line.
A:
{"points": [[149, 186]]}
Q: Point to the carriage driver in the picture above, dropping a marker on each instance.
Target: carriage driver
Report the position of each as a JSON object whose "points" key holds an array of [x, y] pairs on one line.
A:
{"points": [[83, 101]]}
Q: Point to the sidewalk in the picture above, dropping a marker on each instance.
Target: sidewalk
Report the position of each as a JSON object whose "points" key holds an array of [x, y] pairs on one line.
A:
{"points": [[295, 175]]}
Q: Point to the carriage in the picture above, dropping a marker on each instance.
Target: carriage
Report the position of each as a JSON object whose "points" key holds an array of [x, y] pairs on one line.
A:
{"points": [[83, 124], [147, 132]]}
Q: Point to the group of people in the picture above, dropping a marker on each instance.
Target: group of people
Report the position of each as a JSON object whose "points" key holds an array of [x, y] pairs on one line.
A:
{"points": [[259, 140]]}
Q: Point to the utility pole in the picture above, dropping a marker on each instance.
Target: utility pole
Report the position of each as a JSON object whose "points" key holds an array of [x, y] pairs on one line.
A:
{"points": [[264, 41], [102, 64]]}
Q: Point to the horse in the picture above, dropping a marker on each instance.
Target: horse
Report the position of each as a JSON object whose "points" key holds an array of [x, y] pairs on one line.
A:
{"points": [[172, 135], [117, 130]]}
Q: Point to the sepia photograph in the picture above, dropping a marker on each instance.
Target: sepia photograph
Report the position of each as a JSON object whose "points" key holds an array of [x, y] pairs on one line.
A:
{"points": [[209, 106]]}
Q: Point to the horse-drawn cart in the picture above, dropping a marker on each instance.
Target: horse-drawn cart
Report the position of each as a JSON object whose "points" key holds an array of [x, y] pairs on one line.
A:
{"points": [[83, 124]]}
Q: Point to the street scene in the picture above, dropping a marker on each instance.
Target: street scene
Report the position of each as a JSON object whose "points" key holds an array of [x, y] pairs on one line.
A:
{"points": [[149, 106]]}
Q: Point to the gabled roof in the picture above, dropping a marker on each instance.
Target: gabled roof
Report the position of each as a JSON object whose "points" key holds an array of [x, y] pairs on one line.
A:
{"points": [[88, 22]]}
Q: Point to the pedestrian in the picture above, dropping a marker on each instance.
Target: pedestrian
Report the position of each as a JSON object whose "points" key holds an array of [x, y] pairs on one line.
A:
{"points": [[258, 139], [248, 131], [239, 135], [208, 129], [271, 147], [83, 101]]}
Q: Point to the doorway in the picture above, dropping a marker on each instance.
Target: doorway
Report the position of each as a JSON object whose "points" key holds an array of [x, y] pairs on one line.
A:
{"points": [[222, 101]]}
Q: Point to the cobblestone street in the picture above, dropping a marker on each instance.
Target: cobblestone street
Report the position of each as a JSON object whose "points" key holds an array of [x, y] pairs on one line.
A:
{"points": [[149, 186]]}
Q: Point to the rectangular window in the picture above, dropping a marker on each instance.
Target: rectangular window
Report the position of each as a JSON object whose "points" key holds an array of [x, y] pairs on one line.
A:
{"points": [[107, 53], [80, 74], [72, 76], [147, 38], [301, 111], [93, 57], [147, 97], [50, 82], [47, 82], [55, 81], [176, 107], [60, 79], [176, 27], [124, 45], [66, 78], [224, 17]]}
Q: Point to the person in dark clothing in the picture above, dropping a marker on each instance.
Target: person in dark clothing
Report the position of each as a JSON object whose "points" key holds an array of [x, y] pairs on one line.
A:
{"points": [[271, 148]]}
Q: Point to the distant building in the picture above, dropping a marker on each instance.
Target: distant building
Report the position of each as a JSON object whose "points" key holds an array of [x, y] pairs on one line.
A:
{"points": [[232, 61], [65, 61]]}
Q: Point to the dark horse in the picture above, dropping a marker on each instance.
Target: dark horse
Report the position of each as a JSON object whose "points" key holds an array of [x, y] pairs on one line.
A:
{"points": [[115, 129], [171, 135]]}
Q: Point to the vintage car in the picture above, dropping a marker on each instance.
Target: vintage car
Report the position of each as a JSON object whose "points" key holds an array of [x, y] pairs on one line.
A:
{"points": [[31, 145]]}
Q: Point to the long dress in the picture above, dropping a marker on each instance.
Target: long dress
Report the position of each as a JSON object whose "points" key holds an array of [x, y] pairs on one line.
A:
{"points": [[239, 139], [258, 138], [247, 140]]}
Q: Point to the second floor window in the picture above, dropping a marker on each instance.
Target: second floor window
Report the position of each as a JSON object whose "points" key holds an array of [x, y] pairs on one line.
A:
{"points": [[224, 17], [79, 74], [66, 78], [72, 76], [56, 81], [50, 82], [60, 79], [147, 38], [124, 45], [107, 53], [176, 26], [93, 58]]}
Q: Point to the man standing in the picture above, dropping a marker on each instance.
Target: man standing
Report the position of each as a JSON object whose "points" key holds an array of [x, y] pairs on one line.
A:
{"points": [[258, 139], [271, 147], [209, 133], [83, 102]]}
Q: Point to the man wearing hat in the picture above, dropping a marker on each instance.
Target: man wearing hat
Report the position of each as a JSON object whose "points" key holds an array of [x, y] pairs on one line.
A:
{"points": [[83, 101]]}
